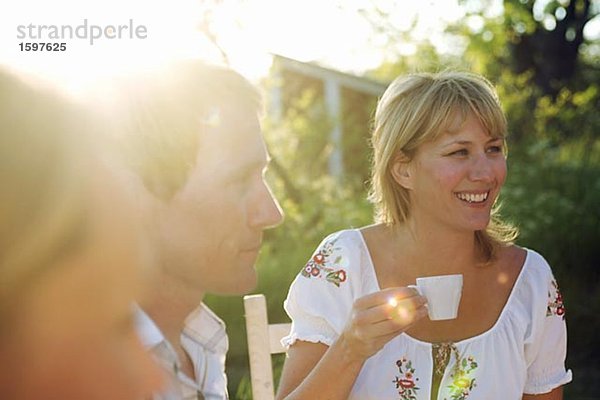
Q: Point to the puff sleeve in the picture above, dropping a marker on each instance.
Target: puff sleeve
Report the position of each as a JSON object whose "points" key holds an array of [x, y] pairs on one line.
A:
{"points": [[546, 348], [320, 299]]}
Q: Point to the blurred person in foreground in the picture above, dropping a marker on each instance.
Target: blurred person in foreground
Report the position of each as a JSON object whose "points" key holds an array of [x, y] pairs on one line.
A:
{"points": [[194, 142], [68, 259], [438, 166]]}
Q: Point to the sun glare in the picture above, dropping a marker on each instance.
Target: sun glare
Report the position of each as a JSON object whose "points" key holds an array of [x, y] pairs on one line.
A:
{"points": [[310, 30], [102, 39], [334, 34]]}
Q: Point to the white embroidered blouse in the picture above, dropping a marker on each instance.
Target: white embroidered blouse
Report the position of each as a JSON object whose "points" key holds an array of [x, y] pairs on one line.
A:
{"points": [[523, 352]]}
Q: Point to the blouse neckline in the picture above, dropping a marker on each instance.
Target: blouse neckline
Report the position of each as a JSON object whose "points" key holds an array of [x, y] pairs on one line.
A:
{"points": [[487, 332]]}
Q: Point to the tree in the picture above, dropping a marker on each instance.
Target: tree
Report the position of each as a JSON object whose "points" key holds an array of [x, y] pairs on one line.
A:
{"points": [[551, 48], [542, 37]]}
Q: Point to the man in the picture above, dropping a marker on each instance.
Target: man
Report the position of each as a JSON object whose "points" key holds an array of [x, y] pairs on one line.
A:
{"points": [[195, 142]]}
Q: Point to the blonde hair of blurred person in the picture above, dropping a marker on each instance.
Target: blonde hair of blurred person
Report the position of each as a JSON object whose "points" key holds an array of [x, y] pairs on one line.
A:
{"points": [[438, 166], [193, 140], [68, 258]]}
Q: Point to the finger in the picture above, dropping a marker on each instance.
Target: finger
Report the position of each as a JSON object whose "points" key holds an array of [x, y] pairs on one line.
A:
{"points": [[405, 317], [394, 325], [414, 296], [408, 303], [373, 315], [396, 310], [376, 337], [384, 296], [387, 330]]}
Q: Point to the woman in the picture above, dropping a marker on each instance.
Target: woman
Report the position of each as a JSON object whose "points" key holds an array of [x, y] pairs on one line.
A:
{"points": [[68, 260], [439, 164]]}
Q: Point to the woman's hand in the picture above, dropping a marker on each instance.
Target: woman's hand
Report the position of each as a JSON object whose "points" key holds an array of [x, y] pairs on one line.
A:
{"points": [[375, 320], [379, 317]]}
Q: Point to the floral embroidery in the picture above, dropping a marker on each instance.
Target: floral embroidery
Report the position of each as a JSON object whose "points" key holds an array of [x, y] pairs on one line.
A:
{"points": [[462, 380], [406, 382], [555, 302], [321, 265]]}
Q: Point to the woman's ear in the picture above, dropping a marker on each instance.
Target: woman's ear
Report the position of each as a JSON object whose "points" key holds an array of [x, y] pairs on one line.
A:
{"points": [[402, 172]]}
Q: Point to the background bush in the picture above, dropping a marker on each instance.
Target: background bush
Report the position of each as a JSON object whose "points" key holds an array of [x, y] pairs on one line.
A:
{"points": [[549, 83], [552, 194]]}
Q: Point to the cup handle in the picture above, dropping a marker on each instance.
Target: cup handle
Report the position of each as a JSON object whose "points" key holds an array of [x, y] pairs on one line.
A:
{"points": [[420, 293], [416, 288]]}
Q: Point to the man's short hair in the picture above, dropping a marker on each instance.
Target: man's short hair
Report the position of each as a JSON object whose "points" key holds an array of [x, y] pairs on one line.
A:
{"points": [[167, 113]]}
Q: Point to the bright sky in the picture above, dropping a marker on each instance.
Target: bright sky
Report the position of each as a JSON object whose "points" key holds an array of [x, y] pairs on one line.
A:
{"points": [[331, 32]]}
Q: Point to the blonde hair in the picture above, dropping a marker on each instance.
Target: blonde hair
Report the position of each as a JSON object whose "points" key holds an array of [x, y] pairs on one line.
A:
{"points": [[42, 178], [418, 108], [165, 116]]}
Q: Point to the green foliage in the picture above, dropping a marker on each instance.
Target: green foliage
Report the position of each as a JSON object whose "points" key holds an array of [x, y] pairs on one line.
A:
{"points": [[315, 204], [326, 207], [572, 121], [554, 200], [540, 37], [358, 110], [425, 58], [552, 193], [556, 205]]}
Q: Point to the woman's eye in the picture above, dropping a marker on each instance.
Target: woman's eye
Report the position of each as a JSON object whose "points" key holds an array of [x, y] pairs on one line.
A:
{"points": [[495, 149], [461, 152]]}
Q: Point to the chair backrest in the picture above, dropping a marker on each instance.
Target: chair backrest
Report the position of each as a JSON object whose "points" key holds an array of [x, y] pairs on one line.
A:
{"points": [[263, 340]]}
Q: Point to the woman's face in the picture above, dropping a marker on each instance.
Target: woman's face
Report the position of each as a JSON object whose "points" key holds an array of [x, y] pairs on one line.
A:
{"points": [[455, 179], [74, 337]]}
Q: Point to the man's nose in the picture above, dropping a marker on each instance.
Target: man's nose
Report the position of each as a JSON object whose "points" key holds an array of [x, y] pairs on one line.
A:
{"points": [[267, 211]]}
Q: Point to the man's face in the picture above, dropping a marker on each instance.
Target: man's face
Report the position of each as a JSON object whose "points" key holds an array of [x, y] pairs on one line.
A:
{"points": [[211, 230]]}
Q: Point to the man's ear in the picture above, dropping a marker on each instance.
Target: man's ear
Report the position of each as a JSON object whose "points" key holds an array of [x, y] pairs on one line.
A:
{"points": [[402, 171]]}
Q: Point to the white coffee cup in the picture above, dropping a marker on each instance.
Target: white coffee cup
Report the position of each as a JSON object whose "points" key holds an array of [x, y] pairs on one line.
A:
{"points": [[443, 294]]}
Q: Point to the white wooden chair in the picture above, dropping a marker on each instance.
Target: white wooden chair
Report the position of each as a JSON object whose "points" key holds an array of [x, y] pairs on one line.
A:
{"points": [[263, 340]]}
